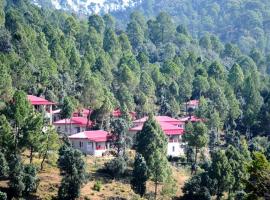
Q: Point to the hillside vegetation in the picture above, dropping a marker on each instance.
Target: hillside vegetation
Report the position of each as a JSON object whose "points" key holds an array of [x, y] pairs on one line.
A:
{"points": [[152, 67], [245, 22]]}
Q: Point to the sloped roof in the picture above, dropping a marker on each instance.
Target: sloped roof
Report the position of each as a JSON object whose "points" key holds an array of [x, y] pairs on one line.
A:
{"points": [[96, 136], [167, 128], [83, 111], [74, 120], [193, 102], [166, 119], [34, 100], [192, 119], [117, 113]]}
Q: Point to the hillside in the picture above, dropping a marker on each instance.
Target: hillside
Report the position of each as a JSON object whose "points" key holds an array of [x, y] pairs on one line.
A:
{"points": [[245, 22], [152, 67]]}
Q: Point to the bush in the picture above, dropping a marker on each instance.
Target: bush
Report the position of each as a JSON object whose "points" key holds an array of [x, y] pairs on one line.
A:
{"points": [[97, 186], [116, 167], [3, 196]]}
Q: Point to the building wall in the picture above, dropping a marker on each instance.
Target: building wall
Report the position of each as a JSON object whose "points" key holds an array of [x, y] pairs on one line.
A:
{"points": [[175, 147], [69, 130], [89, 147]]}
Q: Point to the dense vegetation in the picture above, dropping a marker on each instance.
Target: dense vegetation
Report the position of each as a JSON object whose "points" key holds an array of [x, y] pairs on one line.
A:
{"points": [[151, 67], [245, 22]]}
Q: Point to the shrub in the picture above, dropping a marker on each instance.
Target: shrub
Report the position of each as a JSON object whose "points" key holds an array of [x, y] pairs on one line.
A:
{"points": [[116, 167], [97, 186], [3, 196]]}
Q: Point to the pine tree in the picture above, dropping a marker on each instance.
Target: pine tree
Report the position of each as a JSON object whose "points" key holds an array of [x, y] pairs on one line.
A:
{"points": [[139, 175], [152, 145], [221, 172], [72, 166], [197, 138], [3, 165]]}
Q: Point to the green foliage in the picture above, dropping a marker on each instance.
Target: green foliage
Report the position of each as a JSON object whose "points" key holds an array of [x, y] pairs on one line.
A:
{"points": [[259, 181], [30, 179], [116, 167], [151, 143], [139, 175], [97, 186], [3, 196], [119, 129], [221, 172], [72, 166], [3, 165], [16, 176]]}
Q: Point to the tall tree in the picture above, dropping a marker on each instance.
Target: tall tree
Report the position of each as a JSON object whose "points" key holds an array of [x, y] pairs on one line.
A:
{"points": [[152, 145], [139, 175], [197, 138], [221, 172], [72, 165]]}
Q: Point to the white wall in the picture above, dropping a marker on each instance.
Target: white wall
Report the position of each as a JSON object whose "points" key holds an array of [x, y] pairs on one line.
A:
{"points": [[90, 147], [66, 129]]}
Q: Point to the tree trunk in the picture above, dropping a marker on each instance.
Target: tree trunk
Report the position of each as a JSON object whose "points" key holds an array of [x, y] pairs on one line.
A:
{"points": [[196, 154], [31, 154], [156, 186], [88, 119], [45, 156]]}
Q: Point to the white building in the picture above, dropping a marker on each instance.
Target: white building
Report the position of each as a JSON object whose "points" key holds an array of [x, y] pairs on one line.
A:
{"points": [[174, 130], [41, 104], [95, 142], [72, 125]]}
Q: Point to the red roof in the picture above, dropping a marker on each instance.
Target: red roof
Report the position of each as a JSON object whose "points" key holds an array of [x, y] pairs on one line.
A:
{"points": [[193, 102], [96, 136], [167, 128], [166, 119], [192, 119], [34, 100], [82, 121], [117, 113]]}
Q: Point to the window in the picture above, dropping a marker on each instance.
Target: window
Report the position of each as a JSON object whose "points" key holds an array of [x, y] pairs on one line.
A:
{"points": [[81, 144], [77, 129], [173, 149]]}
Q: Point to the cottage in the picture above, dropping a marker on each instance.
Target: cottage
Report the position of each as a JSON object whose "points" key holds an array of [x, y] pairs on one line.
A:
{"points": [[117, 113], [192, 105], [72, 125], [171, 128], [82, 113], [95, 142], [41, 104], [165, 119]]}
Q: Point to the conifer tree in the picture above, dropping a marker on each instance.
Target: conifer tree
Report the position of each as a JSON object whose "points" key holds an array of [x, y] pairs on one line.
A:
{"points": [[152, 145], [139, 175]]}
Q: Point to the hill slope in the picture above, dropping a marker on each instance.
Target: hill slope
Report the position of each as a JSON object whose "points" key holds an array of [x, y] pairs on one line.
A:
{"points": [[245, 22]]}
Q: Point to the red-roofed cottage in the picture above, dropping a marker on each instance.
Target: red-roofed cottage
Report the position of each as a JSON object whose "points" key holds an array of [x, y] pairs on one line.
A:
{"points": [[160, 119], [41, 104], [117, 113], [171, 127], [95, 142], [72, 125], [192, 104], [82, 113]]}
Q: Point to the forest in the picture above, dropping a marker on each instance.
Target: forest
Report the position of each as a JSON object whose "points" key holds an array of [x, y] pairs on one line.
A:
{"points": [[244, 22], [153, 66]]}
